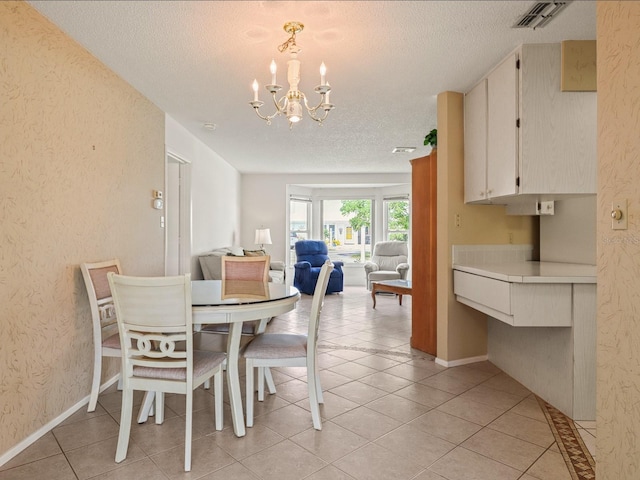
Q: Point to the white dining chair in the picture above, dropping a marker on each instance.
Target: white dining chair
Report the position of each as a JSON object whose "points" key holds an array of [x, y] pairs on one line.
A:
{"points": [[156, 331], [106, 341], [289, 350]]}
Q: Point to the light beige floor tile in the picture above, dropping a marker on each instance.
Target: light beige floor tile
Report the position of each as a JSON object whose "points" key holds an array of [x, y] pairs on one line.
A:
{"points": [[367, 423], [206, 457], [425, 395], [385, 381], [256, 439], [51, 468], [284, 461], [86, 432], [152, 438], [485, 366], [529, 407], [373, 462], [270, 403], [349, 355], [504, 448], [463, 464], [410, 372], [358, 392], [589, 440], [377, 361], [467, 374], [235, 471], [505, 383], [286, 421], [144, 468], [330, 473], [46, 446], [445, 426], [427, 475], [82, 414], [330, 443], [586, 424], [352, 370], [472, 411], [551, 466], [97, 458], [489, 396], [291, 391], [415, 444], [333, 405], [397, 407], [524, 428], [447, 384], [329, 380]]}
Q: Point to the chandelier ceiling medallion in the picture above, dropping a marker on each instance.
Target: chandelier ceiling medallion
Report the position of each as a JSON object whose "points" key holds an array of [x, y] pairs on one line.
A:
{"points": [[290, 105]]}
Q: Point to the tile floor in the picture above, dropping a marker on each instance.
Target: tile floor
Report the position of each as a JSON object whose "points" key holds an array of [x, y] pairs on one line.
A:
{"points": [[389, 413]]}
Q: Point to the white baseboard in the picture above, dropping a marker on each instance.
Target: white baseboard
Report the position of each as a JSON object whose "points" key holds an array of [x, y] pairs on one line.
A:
{"points": [[461, 361], [42, 431]]}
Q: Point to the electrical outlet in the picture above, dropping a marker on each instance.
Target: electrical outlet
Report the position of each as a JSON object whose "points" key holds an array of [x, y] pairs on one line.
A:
{"points": [[619, 214]]}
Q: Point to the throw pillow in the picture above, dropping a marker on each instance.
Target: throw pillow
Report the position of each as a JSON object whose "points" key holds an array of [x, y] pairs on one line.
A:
{"points": [[255, 253], [237, 251]]}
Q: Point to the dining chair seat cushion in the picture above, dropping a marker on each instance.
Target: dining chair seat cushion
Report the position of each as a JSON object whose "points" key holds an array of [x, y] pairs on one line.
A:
{"points": [[277, 345], [203, 361], [112, 342]]}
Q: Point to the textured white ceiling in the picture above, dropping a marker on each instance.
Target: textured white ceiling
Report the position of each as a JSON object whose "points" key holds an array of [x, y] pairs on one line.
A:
{"points": [[386, 61]]}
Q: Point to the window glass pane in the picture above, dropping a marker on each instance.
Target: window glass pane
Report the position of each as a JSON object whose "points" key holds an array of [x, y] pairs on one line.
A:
{"points": [[299, 217], [346, 225], [397, 220]]}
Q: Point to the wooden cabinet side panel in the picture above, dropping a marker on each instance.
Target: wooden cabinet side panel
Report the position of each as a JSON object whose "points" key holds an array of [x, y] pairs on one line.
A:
{"points": [[557, 129], [475, 143], [502, 134], [424, 254]]}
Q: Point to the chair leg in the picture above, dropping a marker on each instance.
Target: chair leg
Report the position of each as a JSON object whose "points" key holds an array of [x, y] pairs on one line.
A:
{"points": [[125, 425], [147, 406], [95, 383], [187, 434], [261, 384], [313, 400], [319, 388], [207, 384], [249, 392], [218, 382], [269, 378], [159, 408]]}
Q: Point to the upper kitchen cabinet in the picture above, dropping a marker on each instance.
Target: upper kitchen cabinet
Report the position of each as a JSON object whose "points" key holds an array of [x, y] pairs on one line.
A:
{"points": [[524, 137]]}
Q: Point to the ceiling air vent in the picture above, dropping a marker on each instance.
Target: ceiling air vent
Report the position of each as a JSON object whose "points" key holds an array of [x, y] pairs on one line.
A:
{"points": [[540, 14], [403, 149]]}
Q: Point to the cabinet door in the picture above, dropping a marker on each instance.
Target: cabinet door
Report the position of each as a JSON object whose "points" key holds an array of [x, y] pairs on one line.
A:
{"points": [[502, 133], [475, 143]]}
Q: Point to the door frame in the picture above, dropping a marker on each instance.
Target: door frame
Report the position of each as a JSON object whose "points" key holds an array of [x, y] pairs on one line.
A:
{"points": [[184, 212]]}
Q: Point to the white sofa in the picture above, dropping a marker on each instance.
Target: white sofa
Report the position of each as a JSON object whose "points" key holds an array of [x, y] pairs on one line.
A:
{"points": [[211, 263]]}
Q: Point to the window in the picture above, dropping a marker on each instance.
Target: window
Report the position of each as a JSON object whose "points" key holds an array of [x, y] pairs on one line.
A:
{"points": [[396, 218], [299, 223], [346, 226]]}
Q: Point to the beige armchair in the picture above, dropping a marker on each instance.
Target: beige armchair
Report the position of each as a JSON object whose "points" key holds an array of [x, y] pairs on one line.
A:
{"points": [[388, 262]]}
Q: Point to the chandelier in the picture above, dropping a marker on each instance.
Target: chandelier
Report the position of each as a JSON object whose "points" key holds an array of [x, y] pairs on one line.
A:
{"points": [[290, 105]]}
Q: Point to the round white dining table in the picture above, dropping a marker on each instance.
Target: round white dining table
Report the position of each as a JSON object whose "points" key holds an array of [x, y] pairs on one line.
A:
{"points": [[216, 302]]}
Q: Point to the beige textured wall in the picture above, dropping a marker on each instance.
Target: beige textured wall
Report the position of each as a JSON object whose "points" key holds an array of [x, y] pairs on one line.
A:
{"points": [[80, 153], [618, 353], [462, 331]]}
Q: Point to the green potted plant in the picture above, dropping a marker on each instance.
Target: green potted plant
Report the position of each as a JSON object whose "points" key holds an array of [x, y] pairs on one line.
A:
{"points": [[432, 138]]}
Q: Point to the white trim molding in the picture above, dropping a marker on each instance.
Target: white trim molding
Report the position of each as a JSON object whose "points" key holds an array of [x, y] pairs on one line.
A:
{"points": [[461, 361]]}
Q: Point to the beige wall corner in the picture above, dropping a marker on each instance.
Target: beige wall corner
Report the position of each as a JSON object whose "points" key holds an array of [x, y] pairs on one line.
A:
{"points": [[618, 251], [462, 331]]}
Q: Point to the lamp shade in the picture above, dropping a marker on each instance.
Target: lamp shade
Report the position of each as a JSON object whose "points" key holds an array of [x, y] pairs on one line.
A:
{"points": [[263, 236]]}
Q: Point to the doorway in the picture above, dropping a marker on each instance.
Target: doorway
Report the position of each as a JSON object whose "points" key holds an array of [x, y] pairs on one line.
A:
{"points": [[177, 215]]}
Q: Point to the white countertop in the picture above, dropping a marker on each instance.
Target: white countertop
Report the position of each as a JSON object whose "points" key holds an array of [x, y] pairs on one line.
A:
{"points": [[533, 272]]}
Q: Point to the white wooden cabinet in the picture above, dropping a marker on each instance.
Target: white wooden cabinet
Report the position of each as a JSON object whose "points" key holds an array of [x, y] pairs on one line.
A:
{"points": [[524, 137]]}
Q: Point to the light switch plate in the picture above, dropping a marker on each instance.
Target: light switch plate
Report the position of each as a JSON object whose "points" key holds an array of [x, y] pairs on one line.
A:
{"points": [[619, 206]]}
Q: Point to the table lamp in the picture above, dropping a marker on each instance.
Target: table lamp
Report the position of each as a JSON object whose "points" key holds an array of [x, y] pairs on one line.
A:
{"points": [[263, 237]]}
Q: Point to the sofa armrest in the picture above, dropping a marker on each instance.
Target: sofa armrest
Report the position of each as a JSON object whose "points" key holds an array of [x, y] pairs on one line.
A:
{"points": [[304, 265], [338, 265]]}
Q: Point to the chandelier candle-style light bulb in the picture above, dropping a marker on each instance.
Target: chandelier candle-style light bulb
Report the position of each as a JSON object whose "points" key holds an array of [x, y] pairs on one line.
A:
{"points": [[291, 104]]}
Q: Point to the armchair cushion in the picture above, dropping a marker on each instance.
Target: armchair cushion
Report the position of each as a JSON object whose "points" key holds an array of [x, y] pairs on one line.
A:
{"points": [[311, 255]]}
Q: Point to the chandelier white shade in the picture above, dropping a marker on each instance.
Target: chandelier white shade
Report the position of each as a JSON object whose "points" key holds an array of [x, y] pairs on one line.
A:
{"points": [[263, 237], [291, 104]]}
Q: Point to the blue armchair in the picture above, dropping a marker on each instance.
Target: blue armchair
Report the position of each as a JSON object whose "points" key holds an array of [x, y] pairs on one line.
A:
{"points": [[311, 255]]}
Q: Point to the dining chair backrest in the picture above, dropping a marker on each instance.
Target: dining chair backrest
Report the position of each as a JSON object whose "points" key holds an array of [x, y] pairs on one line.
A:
{"points": [[316, 306], [246, 268], [154, 315], [106, 342]]}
